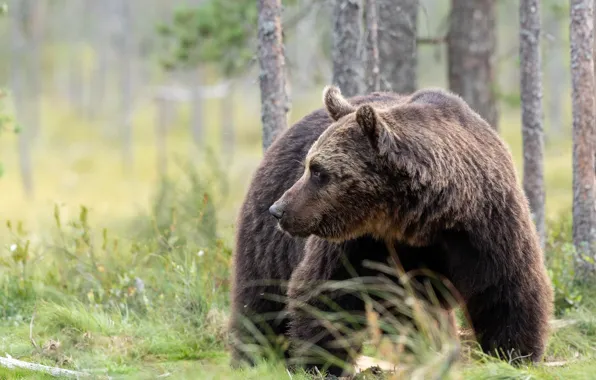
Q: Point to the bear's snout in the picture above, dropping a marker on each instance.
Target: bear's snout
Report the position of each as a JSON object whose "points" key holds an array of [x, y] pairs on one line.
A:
{"points": [[277, 210]]}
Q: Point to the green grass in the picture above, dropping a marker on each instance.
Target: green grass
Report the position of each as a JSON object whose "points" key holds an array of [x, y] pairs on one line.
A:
{"points": [[135, 284]]}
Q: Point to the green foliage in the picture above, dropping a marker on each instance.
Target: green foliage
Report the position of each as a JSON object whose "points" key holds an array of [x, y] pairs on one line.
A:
{"points": [[560, 259], [511, 99], [559, 9], [164, 289], [562, 274], [218, 31]]}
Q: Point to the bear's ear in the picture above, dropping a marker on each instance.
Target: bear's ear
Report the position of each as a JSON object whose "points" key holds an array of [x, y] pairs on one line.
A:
{"points": [[337, 106], [367, 119]]}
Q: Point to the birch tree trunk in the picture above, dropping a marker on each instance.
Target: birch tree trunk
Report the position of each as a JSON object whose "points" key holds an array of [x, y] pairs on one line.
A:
{"points": [[347, 23], [531, 98], [582, 74], [471, 45], [271, 62]]}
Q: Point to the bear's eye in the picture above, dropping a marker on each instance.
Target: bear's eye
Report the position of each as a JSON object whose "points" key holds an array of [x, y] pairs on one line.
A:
{"points": [[317, 174]]}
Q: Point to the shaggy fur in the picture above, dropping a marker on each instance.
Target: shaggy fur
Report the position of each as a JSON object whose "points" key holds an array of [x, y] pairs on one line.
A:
{"points": [[423, 173]]}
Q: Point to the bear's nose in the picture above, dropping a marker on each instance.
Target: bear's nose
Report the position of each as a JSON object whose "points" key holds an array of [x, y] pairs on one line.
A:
{"points": [[276, 210]]}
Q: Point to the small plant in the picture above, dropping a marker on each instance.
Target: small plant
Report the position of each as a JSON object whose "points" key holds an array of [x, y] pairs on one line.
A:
{"points": [[560, 261], [16, 280], [562, 274]]}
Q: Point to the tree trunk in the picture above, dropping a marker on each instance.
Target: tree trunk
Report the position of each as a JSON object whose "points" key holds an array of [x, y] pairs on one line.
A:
{"points": [[163, 109], [227, 125], [397, 44], [372, 77], [271, 61], [557, 82], [76, 74], [196, 119], [582, 66], [126, 80], [531, 98], [35, 32], [99, 79], [471, 45], [346, 36], [20, 47]]}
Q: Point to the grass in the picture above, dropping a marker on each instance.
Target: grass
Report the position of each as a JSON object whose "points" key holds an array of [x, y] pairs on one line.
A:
{"points": [[117, 272]]}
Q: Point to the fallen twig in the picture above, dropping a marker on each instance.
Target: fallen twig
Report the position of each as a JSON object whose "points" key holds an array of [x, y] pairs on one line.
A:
{"points": [[556, 364], [31, 332], [560, 323], [11, 363]]}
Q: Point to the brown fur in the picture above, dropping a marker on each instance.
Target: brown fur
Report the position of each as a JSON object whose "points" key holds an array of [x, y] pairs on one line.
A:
{"points": [[424, 173]]}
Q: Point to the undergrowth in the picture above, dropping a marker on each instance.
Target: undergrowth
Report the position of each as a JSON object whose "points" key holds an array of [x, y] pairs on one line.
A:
{"points": [[157, 292], [152, 298]]}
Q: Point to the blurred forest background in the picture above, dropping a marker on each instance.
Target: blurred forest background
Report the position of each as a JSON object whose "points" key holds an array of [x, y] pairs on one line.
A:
{"points": [[138, 128], [101, 117]]}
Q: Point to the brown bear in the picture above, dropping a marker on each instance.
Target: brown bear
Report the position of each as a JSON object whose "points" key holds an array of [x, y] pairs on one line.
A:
{"points": [[421, 175]]}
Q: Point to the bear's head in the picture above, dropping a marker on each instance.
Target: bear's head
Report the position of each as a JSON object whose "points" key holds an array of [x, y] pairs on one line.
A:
{"points": [[354, 173]]}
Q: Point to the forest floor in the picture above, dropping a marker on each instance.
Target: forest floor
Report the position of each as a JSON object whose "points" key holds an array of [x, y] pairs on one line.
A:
{"points": [[118, 273]]}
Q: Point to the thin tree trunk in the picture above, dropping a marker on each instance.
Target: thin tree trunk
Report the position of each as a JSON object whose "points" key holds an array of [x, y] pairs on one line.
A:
{"points": [[99, 79], [163, 108], [531, 97], [19, 83], [584, 119], [75, 78], [197, 108], [272, 80], [35, 33], [471, 45], [75, 66], [346, 35], [373, 79], [126, 81], [557, 82], [397, 44], [227, 124]]}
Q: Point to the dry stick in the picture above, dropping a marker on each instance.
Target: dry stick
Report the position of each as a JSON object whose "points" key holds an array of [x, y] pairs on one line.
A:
{"points": [[31, 331], [451, 359], [11, 363]]}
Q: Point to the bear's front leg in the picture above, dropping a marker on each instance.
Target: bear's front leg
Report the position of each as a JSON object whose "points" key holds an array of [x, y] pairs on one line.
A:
{"points": [[324, 318], [511, 319], [258, 325]]}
